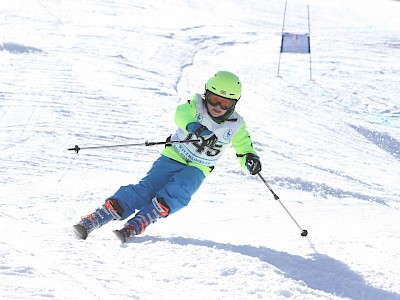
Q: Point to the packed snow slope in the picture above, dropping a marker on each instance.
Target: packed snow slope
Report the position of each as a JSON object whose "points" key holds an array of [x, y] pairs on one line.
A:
{"points": [[96, 73]]}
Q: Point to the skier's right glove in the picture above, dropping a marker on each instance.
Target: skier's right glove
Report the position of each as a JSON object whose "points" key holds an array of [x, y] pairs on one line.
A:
{"points": [[253, 163], [207, 137]]}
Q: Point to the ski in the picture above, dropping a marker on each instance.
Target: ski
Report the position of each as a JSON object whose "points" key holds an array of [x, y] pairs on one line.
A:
{"points": [[120, 235], [80, 232]]}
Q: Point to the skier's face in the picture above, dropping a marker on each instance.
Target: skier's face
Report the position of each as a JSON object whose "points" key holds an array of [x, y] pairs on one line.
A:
{"points": [[217, 105], [216, 111]]}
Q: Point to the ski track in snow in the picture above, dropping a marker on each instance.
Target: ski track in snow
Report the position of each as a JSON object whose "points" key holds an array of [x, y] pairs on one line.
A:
{"points": [[101, 73]]}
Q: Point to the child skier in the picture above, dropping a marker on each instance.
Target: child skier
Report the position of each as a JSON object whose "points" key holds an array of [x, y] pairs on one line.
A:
{"points": [[180, 170]]}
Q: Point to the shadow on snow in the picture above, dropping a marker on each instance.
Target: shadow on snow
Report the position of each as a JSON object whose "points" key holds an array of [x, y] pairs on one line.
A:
{"points": [[324, 190], [18, 48], [319, 272], [382, 140]]}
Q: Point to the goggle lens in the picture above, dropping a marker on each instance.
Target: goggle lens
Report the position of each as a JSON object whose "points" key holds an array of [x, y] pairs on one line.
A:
{"points": [[215, 100]]}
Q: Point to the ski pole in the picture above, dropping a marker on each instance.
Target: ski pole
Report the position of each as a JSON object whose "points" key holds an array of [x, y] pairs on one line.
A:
{"points": [[304, 232], [77, 148]]}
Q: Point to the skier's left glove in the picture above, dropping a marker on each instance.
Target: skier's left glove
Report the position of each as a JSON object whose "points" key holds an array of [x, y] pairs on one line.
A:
{"points": [[206, 136], [253, 163]]}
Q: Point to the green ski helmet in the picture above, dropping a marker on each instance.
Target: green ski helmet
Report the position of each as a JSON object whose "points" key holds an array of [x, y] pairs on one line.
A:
{"points": [[225, 84]]}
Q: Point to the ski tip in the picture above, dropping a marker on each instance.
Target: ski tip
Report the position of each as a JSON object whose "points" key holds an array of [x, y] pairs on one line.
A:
{"points": [[120, 236], [80, 232]]}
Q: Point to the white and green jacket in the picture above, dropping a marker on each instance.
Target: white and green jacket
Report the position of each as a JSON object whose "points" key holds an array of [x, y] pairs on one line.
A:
{"points": [[233, 131]]}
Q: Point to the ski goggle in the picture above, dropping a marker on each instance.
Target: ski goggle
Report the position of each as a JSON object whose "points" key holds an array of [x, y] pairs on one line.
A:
{"points": [[215, 100]]}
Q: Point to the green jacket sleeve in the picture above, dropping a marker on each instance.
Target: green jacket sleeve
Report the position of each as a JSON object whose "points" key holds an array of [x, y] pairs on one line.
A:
{"points": [[243, 144], [186, 113]]}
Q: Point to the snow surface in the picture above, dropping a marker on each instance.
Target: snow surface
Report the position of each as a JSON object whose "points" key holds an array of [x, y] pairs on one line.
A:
{"points": [[98, 73]]}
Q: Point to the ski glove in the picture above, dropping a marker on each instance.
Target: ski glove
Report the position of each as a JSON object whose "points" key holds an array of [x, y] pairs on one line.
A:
{"points": [[253, 163], [207, 137]]}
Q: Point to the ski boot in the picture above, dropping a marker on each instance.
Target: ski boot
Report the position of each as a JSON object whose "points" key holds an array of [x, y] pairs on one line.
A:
{"points": [[109, 211], [155, 210]]}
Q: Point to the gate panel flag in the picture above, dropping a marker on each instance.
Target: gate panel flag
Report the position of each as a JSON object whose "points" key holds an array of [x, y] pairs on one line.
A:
{"points": [[295, 43]]}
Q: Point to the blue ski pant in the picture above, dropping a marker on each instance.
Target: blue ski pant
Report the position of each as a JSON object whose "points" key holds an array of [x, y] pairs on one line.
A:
{"points": [[168, 179]]}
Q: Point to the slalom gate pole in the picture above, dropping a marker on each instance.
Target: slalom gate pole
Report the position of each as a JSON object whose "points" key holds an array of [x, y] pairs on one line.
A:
{"points": [[77, 148], [304, 232]]}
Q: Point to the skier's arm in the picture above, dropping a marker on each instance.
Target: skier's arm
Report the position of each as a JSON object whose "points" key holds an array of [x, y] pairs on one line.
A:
{"points": [[243, 146], [186, 113], [185, 118]]}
